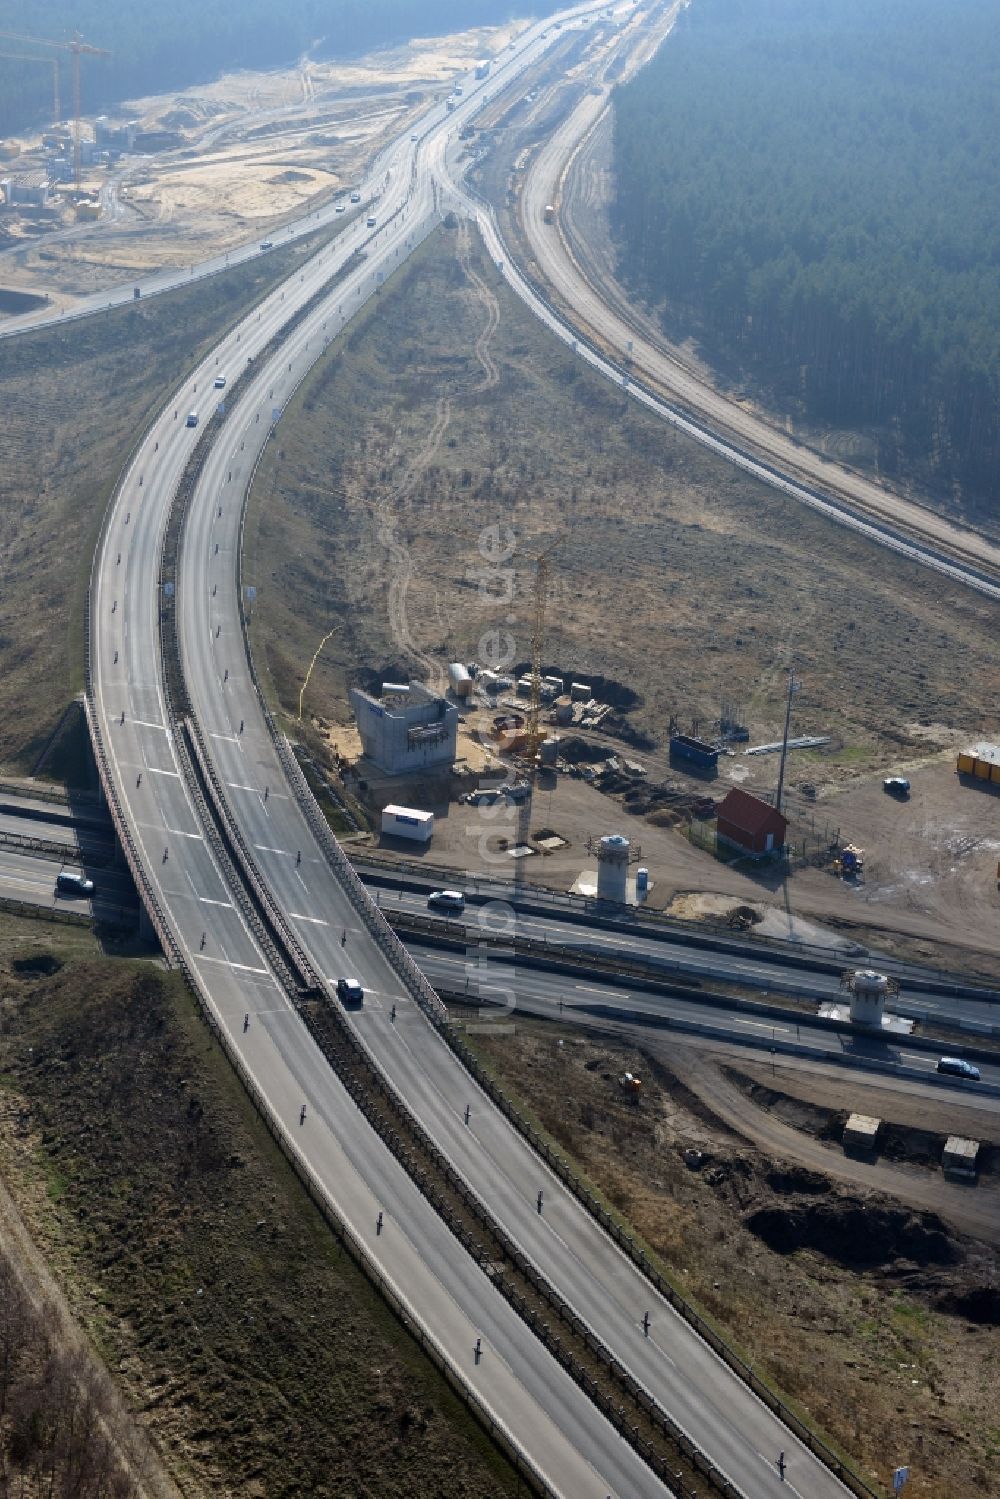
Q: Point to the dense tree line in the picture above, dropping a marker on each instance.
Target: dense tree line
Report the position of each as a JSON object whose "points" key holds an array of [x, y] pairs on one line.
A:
{"points": [[158, 46], [812, 187]]}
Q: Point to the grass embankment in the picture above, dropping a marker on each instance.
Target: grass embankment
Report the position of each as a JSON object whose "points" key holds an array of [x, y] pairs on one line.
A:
{"points": [[452, 412], [263, 1360], [74, 400], [856, 1338]]}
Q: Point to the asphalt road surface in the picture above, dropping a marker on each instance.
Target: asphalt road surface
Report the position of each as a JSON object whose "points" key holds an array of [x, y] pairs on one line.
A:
{"points": [[449, 1296], [689, 1381], [554, 1424], [669, 955]]}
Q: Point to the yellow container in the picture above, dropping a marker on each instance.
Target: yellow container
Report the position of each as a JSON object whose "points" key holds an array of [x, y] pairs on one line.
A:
{"points": [[995, 773], [982, 770], [966, 763]]}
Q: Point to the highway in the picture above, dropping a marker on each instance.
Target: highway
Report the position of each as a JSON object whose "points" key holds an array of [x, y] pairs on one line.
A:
{"points": [[191, 896], [522, 1388], [564, 1243], [555, 995], [672, 954]]}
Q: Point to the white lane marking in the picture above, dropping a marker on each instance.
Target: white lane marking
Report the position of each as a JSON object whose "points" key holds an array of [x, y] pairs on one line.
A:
{"points": [[154, 772], [229, 738], [207, 900], [316, 920], [201, 957], [144, 723], [587, 989], [265, 848], [239, 786], [178, 833], [758, 1025]]}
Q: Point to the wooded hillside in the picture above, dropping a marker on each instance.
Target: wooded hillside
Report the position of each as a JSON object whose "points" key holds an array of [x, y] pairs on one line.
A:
{"points": [[812, 187], [159, 46]]}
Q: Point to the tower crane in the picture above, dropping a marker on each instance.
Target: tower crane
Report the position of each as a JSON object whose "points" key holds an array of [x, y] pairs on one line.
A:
{"points": [[534, 734], [76, 47]]}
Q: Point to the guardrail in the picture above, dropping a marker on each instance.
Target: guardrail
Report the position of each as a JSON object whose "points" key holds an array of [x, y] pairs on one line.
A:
{"points": [[43, 913], [637, 1254], [378, 928], [648, 923], [436, 1012]]}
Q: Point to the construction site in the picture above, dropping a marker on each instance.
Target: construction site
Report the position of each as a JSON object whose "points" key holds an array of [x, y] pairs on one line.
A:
{"points": [[168, 180]]}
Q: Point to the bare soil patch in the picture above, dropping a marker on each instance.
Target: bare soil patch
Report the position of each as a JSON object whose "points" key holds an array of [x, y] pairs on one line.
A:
{"points": [[434, 423], [877, 1319], [252, 150]]}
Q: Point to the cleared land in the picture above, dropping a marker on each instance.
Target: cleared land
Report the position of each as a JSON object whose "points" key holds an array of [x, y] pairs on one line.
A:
{"points": [[876, 1319], [252, 150], [450, 414], [260, 1358], [74, 399]]}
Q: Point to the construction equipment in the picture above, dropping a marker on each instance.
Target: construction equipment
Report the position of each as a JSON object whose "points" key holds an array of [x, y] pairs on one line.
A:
{"points": [[76, 47]]}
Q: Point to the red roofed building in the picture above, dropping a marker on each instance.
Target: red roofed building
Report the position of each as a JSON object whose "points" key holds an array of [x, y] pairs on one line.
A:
{"points": [[750, 824]]}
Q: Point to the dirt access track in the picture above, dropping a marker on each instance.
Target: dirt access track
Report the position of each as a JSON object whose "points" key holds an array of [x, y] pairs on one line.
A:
{"points": [[255, 149]]}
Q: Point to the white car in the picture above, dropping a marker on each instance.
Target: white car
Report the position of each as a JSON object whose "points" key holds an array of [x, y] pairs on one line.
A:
{"points": [[220, 382], [446, 900], [340, 208]]}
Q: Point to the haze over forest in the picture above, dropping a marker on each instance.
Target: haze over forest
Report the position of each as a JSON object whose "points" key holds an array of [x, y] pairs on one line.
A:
{"points": [[813, 191]]}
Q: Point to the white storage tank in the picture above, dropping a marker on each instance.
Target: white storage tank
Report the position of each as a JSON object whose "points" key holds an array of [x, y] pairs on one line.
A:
{"points": [[612, 868], [564, 709], [459, 679], [868, 990], [407, 822]]}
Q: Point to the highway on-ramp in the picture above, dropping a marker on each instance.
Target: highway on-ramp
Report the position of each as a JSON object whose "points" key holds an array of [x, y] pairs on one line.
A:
{"points": [[194, 901]]}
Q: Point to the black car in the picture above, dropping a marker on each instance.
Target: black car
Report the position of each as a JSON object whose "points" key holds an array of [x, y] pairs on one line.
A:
{"points": [[350, 993], [896, 786]]}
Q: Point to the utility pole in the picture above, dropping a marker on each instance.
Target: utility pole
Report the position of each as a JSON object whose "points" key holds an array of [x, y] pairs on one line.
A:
{"points": [[793, 687]]}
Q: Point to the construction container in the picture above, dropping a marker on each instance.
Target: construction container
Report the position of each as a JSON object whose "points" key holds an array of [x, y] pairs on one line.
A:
{"points": [[580, 692], [861, 1132], [959, 1157], [459, 679], [981, 761], [407, 822], [696, 751], [548, 752], [642, 880]]}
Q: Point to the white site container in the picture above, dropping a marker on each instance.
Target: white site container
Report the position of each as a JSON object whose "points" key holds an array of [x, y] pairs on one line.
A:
{"points": [[407, 822]]}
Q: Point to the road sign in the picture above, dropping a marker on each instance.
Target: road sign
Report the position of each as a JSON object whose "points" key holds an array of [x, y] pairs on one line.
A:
{"points": [[251, 593], [168, 589], [275, 413], [899, 1478]]}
